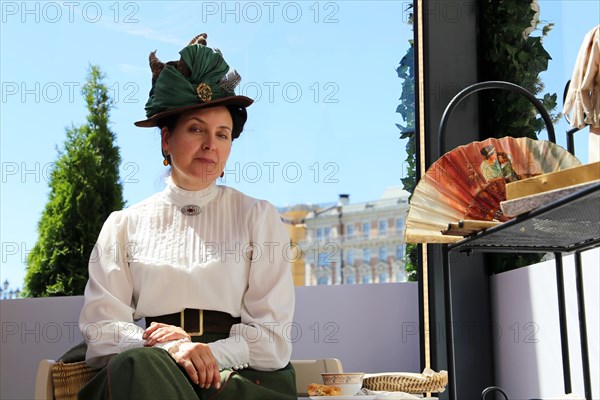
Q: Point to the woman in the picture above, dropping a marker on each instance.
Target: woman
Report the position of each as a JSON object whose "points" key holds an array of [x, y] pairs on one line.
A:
{"points": [[204, 264]]}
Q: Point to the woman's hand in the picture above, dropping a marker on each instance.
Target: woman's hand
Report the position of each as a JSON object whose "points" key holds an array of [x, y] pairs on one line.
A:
{"points": [[199, 362], [160, 333]]}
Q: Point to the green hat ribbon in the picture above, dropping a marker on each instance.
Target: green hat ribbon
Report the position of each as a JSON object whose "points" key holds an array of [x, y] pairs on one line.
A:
{"points": [[173, 89]]}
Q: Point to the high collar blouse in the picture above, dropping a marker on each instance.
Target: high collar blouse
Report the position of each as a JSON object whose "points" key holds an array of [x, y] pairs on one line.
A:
{"points": [[152, 259]]}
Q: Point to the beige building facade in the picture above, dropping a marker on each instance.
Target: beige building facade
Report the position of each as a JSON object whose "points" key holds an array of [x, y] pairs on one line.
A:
{"points": [[347, 243]]}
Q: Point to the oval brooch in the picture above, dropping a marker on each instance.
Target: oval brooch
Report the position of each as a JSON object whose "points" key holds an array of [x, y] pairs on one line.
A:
{"points": [[191, 210]]}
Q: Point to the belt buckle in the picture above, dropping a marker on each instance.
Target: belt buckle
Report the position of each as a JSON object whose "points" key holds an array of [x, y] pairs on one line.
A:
{"points": [[200, 323]]}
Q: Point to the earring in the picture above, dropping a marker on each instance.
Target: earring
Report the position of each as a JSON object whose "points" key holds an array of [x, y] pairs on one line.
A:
{"points": [[167, 160], [222, 174]]}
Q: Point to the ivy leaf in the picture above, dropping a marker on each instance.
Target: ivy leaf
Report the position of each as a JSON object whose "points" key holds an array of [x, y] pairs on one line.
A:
{"points": [[407, 133]]}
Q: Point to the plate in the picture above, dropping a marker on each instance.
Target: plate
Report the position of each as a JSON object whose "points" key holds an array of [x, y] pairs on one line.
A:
{"points": [[355, 397]]}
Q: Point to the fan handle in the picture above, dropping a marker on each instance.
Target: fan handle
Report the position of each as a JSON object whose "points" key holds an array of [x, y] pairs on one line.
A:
{"points": [[491, 85]]}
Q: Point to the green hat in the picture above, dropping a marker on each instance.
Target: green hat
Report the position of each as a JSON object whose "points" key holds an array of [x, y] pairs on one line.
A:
{"points": [[200, 79]]}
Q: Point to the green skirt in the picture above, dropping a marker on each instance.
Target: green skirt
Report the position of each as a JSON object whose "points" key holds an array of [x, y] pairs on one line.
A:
{"points": [[151, 373]]}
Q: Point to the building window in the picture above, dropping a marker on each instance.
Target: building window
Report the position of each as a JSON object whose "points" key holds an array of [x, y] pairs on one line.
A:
{"points": [[366, 229], [350, 257], [383, 277], [366, 278], [383, 226], [327, 232], [395, 275], [382, 271], [323, 274], [349, 275], [399, 225], [323, 260], [383, 254], [319, 234], [366, 255], [350, 231], [399, 252], [401, 276]]}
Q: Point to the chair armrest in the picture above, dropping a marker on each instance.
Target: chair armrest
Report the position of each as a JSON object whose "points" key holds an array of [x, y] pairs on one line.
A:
{"points": [[44, 387], [309, 371]]}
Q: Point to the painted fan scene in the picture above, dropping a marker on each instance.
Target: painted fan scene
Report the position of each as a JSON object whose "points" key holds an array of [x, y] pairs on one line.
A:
{"points": [[469, 183]]}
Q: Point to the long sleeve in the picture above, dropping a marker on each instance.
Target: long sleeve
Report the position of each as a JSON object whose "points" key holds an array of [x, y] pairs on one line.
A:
{"points": [[151, 259], [106, 320], [262, 340]]}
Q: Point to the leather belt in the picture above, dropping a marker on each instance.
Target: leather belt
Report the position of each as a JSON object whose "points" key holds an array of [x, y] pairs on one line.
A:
{"points": [[198, 322]]}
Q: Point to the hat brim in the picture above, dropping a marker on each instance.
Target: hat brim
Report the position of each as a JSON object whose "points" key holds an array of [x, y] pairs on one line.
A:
{"points": [[151, 122]]}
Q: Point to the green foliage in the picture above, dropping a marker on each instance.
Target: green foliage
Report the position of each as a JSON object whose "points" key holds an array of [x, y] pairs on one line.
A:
{"points": [[410, 260], [510, 53], [406, 108], [84, 189]]}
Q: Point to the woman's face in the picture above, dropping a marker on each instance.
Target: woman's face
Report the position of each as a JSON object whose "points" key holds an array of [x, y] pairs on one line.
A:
{"points": [[199, 146]]}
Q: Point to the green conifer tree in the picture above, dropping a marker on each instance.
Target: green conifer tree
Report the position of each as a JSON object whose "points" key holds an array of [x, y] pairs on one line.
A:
{"points": [[84, 189]]}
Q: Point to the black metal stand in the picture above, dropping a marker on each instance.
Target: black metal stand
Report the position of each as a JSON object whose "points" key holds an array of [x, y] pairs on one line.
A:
{"points": [[583, 340], [449, 325], [447, 268], [576, 216], [564, 332], [477, 87]]}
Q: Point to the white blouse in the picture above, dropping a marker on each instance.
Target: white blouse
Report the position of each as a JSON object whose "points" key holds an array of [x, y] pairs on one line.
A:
{"points": [[151, 259]]}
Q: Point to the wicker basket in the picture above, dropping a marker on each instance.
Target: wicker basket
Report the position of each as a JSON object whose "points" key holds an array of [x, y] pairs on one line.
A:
{"points": [[69, 378], [427, 382]]}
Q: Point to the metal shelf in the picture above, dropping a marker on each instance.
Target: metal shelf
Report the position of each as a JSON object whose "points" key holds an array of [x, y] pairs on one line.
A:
{"points": [[571, 224], [566, 225]]}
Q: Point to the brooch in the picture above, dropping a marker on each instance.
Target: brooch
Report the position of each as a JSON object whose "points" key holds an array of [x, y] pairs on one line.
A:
{"points": [[204, 92], [191, 210]]}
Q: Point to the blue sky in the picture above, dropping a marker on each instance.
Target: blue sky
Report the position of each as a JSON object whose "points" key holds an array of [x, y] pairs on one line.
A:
{"points": [[322, 73]]}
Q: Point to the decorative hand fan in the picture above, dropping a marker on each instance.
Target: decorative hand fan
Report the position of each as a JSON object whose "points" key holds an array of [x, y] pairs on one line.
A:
{"points": [[468, 183]]}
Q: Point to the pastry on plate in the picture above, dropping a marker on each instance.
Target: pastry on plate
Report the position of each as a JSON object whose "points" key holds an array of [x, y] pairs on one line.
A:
{"points": [[315, 389]]}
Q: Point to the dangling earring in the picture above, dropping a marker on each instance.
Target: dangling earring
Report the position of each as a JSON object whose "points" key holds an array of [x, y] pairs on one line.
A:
{"points": [[166, 161], [222, 174]]}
